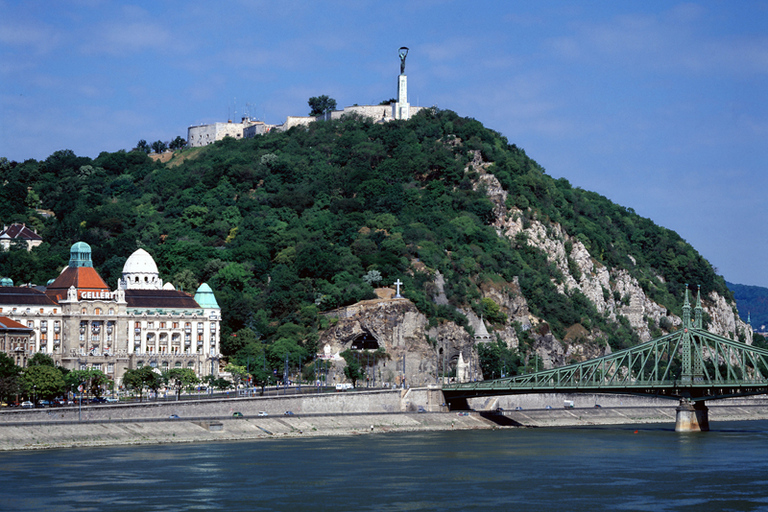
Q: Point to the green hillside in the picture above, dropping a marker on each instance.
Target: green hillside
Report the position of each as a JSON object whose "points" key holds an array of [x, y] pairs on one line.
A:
{"points": [[752, 301], [288, 225]]}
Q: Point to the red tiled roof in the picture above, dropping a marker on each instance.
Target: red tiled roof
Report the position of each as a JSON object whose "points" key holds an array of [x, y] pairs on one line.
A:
{"points": [[82, 278], [165, 299], [16, 295], [7, 323], [20, 231]]}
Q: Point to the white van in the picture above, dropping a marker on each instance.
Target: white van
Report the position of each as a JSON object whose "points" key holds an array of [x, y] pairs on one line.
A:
{"points": [[568, 404]]}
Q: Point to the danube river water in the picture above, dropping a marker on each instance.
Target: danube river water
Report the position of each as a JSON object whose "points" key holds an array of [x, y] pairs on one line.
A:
{"points": [[638, 468]]}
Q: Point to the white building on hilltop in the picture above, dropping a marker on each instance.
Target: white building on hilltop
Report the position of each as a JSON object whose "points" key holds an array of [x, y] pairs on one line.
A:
{"points": [[205, 134]]}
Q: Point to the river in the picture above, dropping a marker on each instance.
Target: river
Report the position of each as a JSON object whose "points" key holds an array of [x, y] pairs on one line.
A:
{"points": [[637, 468]]}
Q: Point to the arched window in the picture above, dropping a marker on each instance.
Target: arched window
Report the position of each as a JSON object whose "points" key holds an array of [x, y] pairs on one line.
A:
{"points": [[83, 311], [178, 364], [96, 311]]}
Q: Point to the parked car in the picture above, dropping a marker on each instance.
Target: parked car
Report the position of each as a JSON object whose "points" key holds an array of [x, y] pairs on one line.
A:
{"points": [[26, 404], [112, 400], [421, 409], [263, 413], [44, 403], [173, 417], [99, 400], [237, 414], [288, 413]]}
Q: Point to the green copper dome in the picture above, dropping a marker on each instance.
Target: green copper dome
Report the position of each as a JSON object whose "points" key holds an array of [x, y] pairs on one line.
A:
{"points": [[204, 296], [80, 255]]}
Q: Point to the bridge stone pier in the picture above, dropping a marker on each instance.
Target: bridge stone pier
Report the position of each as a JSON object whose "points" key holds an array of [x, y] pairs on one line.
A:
{"points": [[692, 417]]}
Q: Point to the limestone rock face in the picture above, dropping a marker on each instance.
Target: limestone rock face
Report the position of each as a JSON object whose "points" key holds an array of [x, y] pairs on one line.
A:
{"points": [[403, 332], [614, 292], [420, 353]]}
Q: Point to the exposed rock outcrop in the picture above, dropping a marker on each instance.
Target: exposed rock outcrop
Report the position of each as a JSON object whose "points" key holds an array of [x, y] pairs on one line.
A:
{"points": [[419, 353]]}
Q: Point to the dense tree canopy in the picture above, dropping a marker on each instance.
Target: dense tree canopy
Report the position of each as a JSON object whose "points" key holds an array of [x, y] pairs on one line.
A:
{"points": [[290, 224]]}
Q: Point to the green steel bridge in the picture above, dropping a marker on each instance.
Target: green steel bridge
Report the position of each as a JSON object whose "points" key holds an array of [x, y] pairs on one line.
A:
{"points": [[690, 365]]}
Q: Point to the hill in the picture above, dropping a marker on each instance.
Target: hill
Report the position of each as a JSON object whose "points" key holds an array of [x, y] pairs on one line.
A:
{"points": [[288, 226], [752, 301]]}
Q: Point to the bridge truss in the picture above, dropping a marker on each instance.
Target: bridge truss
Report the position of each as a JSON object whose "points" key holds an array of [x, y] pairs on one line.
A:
{"points": [[690, 365]]}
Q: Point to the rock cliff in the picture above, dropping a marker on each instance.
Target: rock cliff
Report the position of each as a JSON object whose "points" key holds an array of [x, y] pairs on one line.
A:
{"points": [[420, 353]]}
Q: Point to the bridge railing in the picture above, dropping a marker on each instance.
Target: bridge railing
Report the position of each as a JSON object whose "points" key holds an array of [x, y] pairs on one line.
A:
{"points": [[688, 358]]}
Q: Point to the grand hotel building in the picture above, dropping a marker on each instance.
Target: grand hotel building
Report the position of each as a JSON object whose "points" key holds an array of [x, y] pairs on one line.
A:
{"points": [[81, 323]]}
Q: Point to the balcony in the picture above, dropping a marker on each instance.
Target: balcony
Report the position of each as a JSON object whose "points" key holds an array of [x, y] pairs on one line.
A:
{"points": [[137, 330]]}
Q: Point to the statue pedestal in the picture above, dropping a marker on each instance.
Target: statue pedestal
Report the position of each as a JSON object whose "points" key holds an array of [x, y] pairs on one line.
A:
{"points": [[692, 417], [402, 109]]}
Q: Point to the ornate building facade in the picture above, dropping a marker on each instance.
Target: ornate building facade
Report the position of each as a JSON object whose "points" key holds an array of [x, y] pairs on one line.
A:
{"points": [[82, 324]]}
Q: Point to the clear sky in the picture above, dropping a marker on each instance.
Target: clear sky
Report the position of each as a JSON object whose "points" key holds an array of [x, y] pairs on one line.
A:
{"points": [[660, 106]]}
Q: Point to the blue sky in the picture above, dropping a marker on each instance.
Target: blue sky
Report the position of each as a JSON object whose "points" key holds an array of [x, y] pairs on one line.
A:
{"points": [[659, 105]]}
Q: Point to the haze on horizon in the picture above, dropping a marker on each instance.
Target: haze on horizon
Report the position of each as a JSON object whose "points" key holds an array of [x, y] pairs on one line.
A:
{"points": [[660, 106]]}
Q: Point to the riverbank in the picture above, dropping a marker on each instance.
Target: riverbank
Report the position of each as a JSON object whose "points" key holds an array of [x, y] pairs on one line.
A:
{"points": [[51, 435], [335, 414]]}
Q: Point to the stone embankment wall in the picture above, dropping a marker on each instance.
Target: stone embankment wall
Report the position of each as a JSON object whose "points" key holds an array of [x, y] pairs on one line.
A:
{"points": [[388, 401], [331, 415]]}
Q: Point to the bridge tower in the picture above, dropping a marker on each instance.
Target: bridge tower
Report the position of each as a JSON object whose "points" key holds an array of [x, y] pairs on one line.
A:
{"points": [[691, 416]]}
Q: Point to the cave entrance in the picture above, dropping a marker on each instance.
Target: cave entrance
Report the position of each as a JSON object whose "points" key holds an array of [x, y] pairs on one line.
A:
{"points": [[365, 341]]}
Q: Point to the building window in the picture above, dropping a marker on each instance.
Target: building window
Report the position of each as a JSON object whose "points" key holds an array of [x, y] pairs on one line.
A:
{"points": [[97, 311], [83, 311], [110, 368], [111, 311]]}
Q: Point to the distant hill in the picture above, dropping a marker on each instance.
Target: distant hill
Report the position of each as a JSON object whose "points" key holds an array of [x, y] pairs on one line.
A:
{"points": [[752, 301]]}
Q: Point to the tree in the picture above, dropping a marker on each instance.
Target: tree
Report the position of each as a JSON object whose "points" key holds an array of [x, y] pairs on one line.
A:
{"points": [[10, 384], [262, 377], [40, 359], [372, 277], [181, 378], [353, 370], [140, 378], [159, 146], [93, 381], [44, 382], [238, 372], [143, 146], [177, 143], [321, 105], [214, 382]]}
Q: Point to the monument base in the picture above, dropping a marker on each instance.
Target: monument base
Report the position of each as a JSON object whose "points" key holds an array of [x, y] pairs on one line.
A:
{"points": [[692, 417]]}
